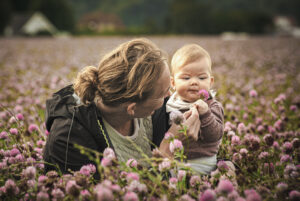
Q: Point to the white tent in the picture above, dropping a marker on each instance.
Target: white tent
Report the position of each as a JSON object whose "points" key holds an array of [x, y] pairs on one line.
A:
{"points": [[38, 23], [30, 25]]}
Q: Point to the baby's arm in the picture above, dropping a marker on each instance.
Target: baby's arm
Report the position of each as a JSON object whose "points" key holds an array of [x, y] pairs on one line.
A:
{"points": [[212, 119]]}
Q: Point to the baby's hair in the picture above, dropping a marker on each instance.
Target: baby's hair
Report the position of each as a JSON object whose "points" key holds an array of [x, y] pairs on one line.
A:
{"points": [[126, 74], [188, 54]]}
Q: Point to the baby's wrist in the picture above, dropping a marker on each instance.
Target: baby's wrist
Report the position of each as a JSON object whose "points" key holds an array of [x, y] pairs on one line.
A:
{"points": [[202, 111], [205, 115]]}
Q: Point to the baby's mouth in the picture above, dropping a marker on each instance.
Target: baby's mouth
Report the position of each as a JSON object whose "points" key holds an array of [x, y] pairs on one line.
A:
{"points": [[193, 91]]}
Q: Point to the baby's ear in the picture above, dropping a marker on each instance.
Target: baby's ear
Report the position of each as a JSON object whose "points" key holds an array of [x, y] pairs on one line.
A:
{"points": [[212, 79], [172, 82], [131, 108]]}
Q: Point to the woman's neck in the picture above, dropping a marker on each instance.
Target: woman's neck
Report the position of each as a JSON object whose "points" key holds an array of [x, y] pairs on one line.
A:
{"points": [[118, 118]]}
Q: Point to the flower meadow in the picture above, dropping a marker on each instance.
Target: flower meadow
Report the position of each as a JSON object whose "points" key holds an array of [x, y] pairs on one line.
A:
{"points": [[257, 80]]}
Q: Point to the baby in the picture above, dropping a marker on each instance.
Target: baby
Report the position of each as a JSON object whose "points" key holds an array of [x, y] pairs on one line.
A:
{"points": [[191, 72]]}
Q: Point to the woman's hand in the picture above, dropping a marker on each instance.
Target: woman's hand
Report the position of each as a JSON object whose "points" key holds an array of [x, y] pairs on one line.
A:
{"points": [[192, 122]]}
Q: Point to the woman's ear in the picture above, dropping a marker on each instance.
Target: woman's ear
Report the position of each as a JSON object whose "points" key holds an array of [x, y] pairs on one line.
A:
{"points": [[131, 108]]}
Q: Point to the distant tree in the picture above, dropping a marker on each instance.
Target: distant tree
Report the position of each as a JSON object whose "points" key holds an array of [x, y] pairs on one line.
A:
{"points": [[59, 12], [21, 6], [81, 7], [176, 16], [5, 14], [194, 16], [290, 8], [186, 16], [258, 22]]}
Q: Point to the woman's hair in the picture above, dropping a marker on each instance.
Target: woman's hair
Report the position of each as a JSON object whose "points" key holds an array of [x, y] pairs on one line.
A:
{"points": [[188, 54], [126, 74]]}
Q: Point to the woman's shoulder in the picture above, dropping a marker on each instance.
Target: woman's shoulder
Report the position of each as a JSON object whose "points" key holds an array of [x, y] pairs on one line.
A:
{"points": [[147, 121]]}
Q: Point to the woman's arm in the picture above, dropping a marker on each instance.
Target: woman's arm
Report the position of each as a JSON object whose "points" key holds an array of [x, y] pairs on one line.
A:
{"points": [[60, 150]]}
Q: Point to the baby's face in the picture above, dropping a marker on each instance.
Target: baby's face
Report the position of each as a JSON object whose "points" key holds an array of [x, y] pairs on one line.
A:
{"points": [[192, 77]]}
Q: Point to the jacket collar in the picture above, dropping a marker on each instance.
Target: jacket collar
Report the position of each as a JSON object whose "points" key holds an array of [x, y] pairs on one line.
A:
{"points": [[64, 104]]}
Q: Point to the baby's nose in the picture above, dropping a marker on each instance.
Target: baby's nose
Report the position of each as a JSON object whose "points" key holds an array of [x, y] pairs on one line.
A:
{"points": [[194, 81]]}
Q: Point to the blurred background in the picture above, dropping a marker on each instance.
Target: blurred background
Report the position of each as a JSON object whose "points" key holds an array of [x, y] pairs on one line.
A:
{"points": [[132, 17]]}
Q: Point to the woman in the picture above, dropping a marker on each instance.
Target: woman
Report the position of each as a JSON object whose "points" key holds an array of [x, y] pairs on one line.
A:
{"points": [[111, 106]]}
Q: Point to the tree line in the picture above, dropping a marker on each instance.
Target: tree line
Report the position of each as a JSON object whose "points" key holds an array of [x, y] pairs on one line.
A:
{"points": [[162, 16]]}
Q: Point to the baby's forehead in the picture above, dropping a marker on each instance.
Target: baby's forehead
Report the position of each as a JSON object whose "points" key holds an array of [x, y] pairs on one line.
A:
{"points": [[178, 68]]}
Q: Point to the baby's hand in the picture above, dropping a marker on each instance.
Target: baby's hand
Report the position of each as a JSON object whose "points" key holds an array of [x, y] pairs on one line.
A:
{"points": [[201, 106]]}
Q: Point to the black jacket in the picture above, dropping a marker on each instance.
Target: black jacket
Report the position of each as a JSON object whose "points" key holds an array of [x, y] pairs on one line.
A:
{"points": [[70, 123]]}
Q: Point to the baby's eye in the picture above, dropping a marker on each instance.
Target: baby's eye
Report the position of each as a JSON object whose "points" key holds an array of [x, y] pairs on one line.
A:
{"points": [[185, 78], [202, 78]]}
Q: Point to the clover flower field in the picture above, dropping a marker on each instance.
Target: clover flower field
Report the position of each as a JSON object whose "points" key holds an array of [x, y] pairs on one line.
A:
{"points": [[257, 80]]}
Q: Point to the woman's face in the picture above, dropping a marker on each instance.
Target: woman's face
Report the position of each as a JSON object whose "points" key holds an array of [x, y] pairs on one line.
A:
{"points": [[156, 100]]}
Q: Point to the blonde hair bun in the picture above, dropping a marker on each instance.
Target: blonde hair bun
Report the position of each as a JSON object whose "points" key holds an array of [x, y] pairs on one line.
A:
{"points": [[86, 83]]}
